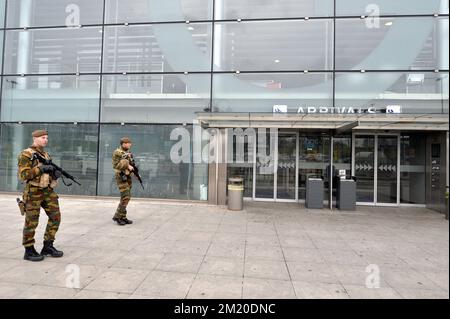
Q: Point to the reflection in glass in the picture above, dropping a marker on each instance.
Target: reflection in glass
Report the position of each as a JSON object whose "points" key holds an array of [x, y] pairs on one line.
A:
{"points": [[151, 147], [2, 13], [365, 168], [393, 44], [260, 92], [249, 9], [265, 163], [387, 169], [68, 50], [119, 11], [408, 90], [38, 13], [1, 51], [156, 48], [50, 98], [241, 163], [154, 98], [389, 7], [342, 159], [342, 154], [314, 161], [273, 45], [412, 170], [287, 166], [73, 147]]}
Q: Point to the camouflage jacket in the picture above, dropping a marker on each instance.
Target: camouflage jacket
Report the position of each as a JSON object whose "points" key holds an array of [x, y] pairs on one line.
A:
{"points": [[29, 168], [121, 160]]}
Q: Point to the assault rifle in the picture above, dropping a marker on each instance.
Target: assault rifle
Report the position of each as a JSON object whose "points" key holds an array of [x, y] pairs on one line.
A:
{"points": [[135, 170], [56, 168]]}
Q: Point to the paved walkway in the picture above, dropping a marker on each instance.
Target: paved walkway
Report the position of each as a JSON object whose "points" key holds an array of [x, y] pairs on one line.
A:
{"points": [[199, 251]]}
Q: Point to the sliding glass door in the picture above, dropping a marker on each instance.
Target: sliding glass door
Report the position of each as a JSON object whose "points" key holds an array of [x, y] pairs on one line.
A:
{"points": [[376, 168]]}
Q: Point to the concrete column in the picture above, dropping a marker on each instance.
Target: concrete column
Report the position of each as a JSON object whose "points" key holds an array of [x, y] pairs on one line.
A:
{"points": [[217, 182], [24, 42]]}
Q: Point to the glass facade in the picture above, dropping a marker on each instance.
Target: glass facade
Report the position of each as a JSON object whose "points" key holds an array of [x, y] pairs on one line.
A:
{"points": [[73, 147], [145, 67], [45, 13], [55, 50], [152, 147]]}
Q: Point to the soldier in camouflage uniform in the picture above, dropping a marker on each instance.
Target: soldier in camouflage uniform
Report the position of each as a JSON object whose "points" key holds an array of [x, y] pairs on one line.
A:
{"points": [[39, 192], [121, 164]]}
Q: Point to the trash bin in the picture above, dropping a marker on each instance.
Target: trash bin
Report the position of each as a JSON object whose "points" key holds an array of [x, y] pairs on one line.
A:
{"points": [[235, 193], [346, 193], [314, 192]]}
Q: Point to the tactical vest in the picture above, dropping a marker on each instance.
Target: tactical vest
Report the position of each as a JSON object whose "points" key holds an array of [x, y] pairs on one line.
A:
{"points": [[124, 161], [43, 180]]}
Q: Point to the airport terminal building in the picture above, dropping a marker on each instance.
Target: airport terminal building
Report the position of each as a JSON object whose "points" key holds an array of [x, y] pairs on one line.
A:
{"points": [[333, 86]]}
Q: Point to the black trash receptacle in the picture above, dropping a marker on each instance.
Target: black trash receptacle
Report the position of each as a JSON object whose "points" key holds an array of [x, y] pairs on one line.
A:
{"points": [[314, 192], [346, 193]]}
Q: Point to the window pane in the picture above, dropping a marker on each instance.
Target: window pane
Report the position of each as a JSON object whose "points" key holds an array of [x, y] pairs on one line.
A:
{"points": [[241, 151], [392, 44], [50, 98], [73, 147], [286, 166], [36, 13], [119, 11], [251, 9], [390, 7], [2, 13], [342, 155], [151, 148], [260, 92], [313, 160], [387, 159], [365, 168], [273, 45], [412, 170], [412, 92], [67, 50], [265, 164], [1, 49], [155, 98], [156, 48]]}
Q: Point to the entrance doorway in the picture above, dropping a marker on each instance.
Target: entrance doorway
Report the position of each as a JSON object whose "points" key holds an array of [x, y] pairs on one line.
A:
{"points": [[375, 164], [296, 157]]}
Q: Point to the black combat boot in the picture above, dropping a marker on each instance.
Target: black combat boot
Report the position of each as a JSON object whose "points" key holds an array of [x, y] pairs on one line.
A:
{"points": [[49, 250], [32, 255], [119, 221], [127, 221]]}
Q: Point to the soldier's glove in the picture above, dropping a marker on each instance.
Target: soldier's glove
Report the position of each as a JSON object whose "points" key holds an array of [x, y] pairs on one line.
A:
{"points": [[47, 169], [56, 174]]}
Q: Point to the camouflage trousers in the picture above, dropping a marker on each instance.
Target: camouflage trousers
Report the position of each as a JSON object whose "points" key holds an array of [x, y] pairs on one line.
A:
{"points": [[35, 198], [125, 195]]}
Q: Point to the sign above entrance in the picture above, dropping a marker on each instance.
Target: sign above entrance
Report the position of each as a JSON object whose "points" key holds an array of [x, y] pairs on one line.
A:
{"points": [[284, 109], [394, 109]]}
